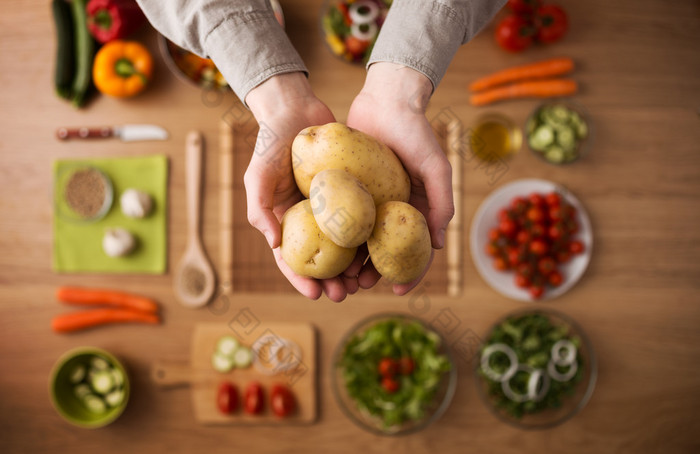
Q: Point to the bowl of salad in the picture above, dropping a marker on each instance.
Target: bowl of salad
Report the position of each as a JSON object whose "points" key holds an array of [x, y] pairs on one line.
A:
{"points": [[350, 27], [393, 374], [536, 369], [559, 131]]}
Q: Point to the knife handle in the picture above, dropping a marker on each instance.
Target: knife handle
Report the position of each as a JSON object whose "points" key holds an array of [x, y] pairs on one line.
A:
{"points": [[84, 133]]}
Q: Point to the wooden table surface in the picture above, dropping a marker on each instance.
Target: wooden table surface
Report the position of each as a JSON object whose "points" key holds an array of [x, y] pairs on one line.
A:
{"points": [[638, 302]]}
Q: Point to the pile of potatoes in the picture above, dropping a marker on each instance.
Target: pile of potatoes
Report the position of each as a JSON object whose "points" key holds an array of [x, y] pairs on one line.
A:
{"points": [[357, 191]]}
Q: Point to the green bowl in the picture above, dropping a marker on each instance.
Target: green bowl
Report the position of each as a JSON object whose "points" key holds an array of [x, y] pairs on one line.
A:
{"points": [[61, 390]]}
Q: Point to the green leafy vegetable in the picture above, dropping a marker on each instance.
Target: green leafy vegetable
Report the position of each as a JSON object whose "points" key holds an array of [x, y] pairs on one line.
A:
{"points": [[393, 338]]}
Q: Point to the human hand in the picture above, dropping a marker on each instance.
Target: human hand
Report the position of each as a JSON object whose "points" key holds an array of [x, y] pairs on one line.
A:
{"points": [[284, 105], [391, 107]]}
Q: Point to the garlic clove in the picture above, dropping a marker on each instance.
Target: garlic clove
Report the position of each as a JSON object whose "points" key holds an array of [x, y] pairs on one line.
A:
{"points": [[118, 242], [135, 203]]}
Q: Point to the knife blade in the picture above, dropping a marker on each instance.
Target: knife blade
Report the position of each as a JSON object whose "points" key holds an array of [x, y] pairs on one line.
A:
{"points": [[127, 133]]}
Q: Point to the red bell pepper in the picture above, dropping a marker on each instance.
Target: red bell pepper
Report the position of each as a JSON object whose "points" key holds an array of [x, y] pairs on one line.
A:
{"points": [[113, 19]]}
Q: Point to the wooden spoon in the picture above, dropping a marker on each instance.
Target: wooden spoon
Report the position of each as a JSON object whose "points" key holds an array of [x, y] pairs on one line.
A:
{"points": [[194, 280]]}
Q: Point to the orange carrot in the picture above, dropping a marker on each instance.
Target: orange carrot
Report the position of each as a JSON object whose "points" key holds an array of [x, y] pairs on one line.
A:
{"points": [[77, 321], [535, 89], [546, 68], [96, 297]]}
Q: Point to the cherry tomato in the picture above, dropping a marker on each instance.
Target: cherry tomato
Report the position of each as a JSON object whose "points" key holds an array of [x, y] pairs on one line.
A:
{"points": [[521, 281], [537, 230], [556, 231], [253, 400], [536, 199], [519, 205], [551, 23], [538, 247], [494, 234], [522, 237], [500, 264], [546, 265], [555, 213], [390, 385], [525, 270], [563, 256], [552, 199], [387, 367], [227, 398], [514, 33], [406, 365], [536, 291], [523, 6], [555, 278], [356, 46], [535, 214], [282, 401], [513, 256], [492, 249], [576, 247], [507, 227], [504, 214]]}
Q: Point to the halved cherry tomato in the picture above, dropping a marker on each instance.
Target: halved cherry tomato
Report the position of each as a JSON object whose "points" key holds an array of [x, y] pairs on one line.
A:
{"points": [[406, 365], [387, 367], [227, 398], [390, 385], [514, 33], [282, 401], [254, 399]]}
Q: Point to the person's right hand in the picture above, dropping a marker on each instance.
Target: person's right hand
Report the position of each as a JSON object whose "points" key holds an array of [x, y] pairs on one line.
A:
{"points": [[283, 106]]}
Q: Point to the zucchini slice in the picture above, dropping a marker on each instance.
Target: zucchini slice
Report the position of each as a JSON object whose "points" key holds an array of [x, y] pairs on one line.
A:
{"points": [[222, 363], [102, 382]]}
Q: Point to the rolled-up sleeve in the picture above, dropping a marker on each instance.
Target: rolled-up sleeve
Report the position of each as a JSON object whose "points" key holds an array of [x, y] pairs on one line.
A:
{"points": [[425, 34], [242, 37]]}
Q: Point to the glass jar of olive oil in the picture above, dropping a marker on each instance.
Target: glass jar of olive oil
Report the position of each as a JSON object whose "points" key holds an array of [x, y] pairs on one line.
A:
{"points": [[495, 137]]}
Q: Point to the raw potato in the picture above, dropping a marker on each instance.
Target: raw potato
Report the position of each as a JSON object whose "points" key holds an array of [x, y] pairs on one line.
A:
{"points": [[343, 207], [305, 248], [400, 245], [336, 146]]}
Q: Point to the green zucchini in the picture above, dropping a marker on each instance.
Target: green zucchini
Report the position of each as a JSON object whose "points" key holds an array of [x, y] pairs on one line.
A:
{"points": [[84, 53], [64, 69]]}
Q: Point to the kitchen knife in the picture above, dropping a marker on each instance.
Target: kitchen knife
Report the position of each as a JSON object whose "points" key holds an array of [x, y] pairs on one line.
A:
{"points": [[127, 133]]}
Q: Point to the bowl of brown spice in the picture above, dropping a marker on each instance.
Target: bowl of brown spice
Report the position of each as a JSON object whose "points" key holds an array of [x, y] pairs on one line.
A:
{"points": [[82, 194]]}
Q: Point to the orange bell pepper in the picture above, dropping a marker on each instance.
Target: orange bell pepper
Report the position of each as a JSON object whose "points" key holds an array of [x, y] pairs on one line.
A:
{"points": [[122, 68]]}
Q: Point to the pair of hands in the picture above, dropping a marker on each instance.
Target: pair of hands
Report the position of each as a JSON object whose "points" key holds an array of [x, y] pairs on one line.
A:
{"points": [[391, 108]]}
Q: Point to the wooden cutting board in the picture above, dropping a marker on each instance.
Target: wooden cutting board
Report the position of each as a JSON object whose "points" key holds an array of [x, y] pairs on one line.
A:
{"points": [[204, 380]]}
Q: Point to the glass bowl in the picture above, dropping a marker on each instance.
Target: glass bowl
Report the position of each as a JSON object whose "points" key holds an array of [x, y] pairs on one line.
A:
{"points": [[427, 410], [350, 27], [66, 210], [549, 402], [562, 126]]}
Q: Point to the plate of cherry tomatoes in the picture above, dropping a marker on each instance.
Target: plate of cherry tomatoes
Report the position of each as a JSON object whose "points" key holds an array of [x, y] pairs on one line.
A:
{"points": [[531, 240]]}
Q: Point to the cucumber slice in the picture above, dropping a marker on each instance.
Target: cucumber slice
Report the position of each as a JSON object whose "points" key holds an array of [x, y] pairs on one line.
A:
{"points": [[81, 391], [115, 398], [102, 382], [221, 363], [581, 130], [99, 363], [94, 404], [560, 114], [118, 377], [542, 137], [554, 154], [77, 374], [566, 139], [243, 357], [227, 345]]}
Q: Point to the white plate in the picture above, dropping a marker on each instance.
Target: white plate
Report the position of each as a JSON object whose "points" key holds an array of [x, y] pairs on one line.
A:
{"points": [[486, 218]]}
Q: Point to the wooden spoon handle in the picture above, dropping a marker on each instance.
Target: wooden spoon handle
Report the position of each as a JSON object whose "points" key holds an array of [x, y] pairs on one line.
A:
{"points": [[226, 144], [193, 181]]}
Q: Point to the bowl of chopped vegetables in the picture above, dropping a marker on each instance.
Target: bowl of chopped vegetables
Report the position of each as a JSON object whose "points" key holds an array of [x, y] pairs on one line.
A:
{"points": [[559, 131], [536, 369], [393, 374], [350, 27], [89, 387]]}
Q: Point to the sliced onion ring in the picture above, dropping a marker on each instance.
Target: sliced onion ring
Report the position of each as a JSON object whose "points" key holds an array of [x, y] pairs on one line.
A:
{"points": [[358, 18], [492, 374], [508, 391], [364, 35], [569, 350], [558, 376], [533, 382]]}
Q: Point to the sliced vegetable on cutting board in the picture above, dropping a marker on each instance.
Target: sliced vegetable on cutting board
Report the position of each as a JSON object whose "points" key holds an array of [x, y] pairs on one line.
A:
{"points": [[262, 395]]}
